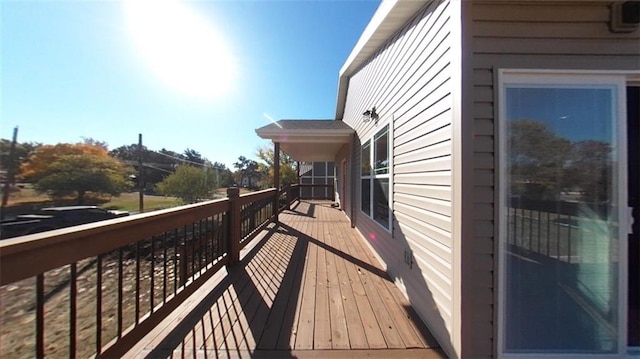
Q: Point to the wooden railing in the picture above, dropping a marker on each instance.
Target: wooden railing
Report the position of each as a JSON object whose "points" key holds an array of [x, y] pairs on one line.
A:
{"points": [[289, 194], [255, 213], [317, 191], [96, 289]]}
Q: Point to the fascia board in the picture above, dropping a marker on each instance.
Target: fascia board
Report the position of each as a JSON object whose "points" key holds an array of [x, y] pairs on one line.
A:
{"points": [[306, 133], [388, 19]]}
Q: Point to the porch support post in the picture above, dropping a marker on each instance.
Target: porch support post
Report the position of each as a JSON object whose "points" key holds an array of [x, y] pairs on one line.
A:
{"points": [[234, 225], [352, 179], [276, 179]]}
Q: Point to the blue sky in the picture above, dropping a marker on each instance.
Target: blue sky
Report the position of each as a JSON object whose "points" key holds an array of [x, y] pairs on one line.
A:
{"points": [[575, 114], [75, 69]]}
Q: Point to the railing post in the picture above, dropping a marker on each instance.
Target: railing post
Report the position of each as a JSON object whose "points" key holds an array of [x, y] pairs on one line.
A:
{"points": [[183, 262], [287, 202], [276, 180], [234, 225]]}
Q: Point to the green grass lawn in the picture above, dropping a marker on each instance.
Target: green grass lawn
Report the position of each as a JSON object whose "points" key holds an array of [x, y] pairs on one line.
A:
{"points": [[27, 199], [130, 202]]}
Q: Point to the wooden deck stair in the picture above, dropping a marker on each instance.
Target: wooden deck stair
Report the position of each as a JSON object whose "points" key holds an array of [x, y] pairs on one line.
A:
{"points": [[308, 287]]}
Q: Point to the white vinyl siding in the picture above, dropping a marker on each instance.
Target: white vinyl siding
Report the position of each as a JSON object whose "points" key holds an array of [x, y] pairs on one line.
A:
{"points": [[408, 80]]}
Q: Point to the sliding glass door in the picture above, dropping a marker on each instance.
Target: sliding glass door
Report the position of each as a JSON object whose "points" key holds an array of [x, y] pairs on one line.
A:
{"points": [[562, 198]]}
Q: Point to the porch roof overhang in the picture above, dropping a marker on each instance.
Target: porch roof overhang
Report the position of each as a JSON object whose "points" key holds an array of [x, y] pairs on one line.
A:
{"points": [[308, 140]]}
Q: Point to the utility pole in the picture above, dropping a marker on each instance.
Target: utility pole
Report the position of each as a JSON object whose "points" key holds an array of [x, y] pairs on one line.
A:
{"points": [[10, 171], [140, 175]]}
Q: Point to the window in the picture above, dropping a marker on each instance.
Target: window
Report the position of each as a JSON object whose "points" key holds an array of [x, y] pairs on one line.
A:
{"points": [[560, 217], [365, 176], [375, 169]]}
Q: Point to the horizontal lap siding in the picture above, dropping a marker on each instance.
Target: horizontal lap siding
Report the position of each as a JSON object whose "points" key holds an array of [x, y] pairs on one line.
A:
{"points": [[409, 80], [537, 35]]}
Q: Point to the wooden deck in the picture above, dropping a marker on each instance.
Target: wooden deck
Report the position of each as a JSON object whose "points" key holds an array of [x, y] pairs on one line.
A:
{"points": [[307, 288]]}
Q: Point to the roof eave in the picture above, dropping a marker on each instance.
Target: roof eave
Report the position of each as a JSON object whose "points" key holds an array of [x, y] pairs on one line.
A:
{"points": [[309, 137], [388, 19], [307, 133]]}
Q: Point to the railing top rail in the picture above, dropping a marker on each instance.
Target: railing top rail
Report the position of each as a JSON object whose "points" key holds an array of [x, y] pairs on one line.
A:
{"points": [[256, 196], [561, 207], [316, 184], [26, 256]]}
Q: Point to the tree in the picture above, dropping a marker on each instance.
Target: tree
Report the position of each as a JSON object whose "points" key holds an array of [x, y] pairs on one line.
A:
{"points": [[252, 173], [589, 170], [39, 162], [43, 157], [247, 169], [224, 176], [74, 169], [78, 174], [157, 165], [288, 167], [190, 183], [537, 160], [22, 153], [194, 156], [91, 142]]}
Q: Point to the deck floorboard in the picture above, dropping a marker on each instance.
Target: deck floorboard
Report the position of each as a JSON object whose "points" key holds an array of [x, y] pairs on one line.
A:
{"points": [[308, 288]]}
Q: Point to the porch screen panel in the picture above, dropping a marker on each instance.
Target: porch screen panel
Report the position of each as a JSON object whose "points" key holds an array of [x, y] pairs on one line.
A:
{"points": [[562, 244]]}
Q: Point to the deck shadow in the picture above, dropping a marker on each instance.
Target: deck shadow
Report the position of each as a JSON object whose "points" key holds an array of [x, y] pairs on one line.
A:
{"points": [[306, 238], [255, 305], [256, 310]]}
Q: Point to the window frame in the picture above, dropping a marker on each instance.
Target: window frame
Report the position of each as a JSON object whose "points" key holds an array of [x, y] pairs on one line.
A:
{"points": [[373, 176], [559, 78]]}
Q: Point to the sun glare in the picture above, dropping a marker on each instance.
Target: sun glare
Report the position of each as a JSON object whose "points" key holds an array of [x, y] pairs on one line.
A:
{"points": [[180, 47]]}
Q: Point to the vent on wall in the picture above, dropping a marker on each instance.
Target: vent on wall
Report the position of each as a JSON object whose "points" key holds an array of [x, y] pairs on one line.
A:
{"points": [[625, 16]]}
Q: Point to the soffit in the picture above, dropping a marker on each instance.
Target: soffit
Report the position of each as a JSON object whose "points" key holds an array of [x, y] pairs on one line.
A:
{"points": [[308, 140]]}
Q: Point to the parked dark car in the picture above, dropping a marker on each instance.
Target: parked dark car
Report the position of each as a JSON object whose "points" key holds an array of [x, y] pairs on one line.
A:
{"points": [[51, 218]]}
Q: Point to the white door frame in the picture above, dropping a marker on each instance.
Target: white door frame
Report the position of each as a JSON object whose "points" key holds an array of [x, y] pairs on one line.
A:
{"points": [[619, 79]]}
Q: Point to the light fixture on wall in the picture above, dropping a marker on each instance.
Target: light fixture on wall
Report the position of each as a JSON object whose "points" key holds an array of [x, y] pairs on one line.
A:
{"points": [[369, 115]]}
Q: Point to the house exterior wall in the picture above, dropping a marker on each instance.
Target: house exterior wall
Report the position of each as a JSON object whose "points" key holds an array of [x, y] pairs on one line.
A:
{"points": [[522, 35], [408, 80]]}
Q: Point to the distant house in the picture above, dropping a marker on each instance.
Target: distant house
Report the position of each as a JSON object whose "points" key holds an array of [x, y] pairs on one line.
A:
{"points": [[459, 125]]}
